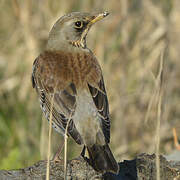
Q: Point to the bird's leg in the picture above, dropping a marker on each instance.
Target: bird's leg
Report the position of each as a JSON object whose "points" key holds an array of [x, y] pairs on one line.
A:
{"points": [[56, 156], [83, 151]]}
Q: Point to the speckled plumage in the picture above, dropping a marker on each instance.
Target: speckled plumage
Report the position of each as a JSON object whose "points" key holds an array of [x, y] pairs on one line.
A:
{"points": [[65, 67], [69, 69]]}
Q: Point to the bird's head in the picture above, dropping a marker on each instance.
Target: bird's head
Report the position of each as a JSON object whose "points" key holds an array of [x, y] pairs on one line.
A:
{"points": [[72, 29]]}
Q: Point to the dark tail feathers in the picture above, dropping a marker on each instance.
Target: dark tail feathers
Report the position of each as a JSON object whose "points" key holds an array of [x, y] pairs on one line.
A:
{"points": [[102, 159]]}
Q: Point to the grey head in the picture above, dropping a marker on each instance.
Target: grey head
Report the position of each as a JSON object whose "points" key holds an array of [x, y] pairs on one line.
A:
{"points": [[72, 29]]}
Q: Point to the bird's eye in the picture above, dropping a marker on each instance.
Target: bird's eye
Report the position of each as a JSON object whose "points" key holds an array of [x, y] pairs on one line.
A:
{"points": [[78, 24]]}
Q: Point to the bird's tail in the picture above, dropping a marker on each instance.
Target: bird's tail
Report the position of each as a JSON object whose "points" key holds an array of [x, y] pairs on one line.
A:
{"points": [[102, 159]]}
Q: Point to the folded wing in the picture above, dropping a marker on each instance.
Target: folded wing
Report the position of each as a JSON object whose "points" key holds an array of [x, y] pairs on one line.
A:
{"points": [[100, 100], [63, 99]]}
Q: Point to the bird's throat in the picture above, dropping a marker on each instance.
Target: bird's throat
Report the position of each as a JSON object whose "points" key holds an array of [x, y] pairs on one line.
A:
{"points": [[79, 43], [82, 41]]}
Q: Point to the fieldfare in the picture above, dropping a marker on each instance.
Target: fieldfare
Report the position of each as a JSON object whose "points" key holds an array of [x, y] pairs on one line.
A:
{"points": [[69, 72]]}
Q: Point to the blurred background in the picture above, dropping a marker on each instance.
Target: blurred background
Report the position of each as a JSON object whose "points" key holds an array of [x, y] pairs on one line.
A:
{"points": [[129, 44]]}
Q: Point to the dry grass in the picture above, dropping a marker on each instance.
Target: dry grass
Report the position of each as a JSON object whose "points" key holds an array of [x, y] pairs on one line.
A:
{"points": [[159, 83], [65, 147], [49, 136], [127, 44]]}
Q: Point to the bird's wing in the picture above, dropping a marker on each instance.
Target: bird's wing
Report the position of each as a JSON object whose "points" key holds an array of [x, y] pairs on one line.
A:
{"points": [[63, 99], [101, 101]]}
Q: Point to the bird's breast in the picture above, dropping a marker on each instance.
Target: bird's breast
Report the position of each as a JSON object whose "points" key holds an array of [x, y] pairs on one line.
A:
{"points": [[62, 68], [84, 68]]}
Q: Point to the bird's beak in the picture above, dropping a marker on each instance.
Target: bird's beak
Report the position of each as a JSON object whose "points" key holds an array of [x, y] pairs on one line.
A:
{"points": [[98, 17], [91, 20]]}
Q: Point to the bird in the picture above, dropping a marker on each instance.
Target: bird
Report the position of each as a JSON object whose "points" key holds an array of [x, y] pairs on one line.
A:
{"points": [[68, 71]]}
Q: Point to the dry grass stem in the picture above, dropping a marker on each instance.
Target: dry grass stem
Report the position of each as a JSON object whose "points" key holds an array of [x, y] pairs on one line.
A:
{"points": [[43, 138], [159, 112], [49, 137], [153, 97], [65, 146], [158, 137], [65, 155]]}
